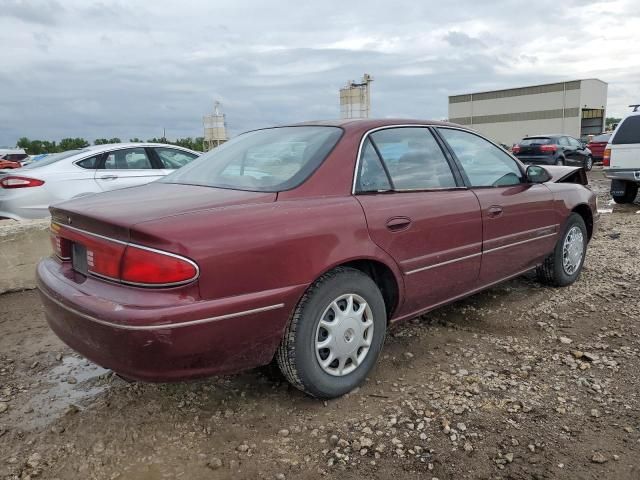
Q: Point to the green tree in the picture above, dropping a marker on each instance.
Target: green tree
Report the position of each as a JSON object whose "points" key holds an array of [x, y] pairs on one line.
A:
{"points": [[115, 140], [100, 141], [72, 144], [611, 121], [135, 140]]}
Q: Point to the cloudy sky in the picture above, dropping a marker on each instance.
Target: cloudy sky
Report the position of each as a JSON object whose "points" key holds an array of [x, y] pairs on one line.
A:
{"points": [[131, 68]]}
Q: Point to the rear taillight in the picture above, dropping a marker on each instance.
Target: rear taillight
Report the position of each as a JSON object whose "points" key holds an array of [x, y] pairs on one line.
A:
{"points": [[606, 158], [121, 261], [548, 148], [515, 149], [20, 182], [143, 266]]}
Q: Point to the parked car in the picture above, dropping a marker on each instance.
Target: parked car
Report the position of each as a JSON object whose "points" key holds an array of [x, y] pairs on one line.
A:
{"points": [[8, 164], [622, 159], [13, 155], [28, 193], [597, 146], [303, 243], [553, 150]]}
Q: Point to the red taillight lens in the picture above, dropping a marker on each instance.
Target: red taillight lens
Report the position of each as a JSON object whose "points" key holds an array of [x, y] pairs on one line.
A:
{"points": [[150, 267], [103, 257], [606, 158], [61, 246], [20, 182], [549, 148], [515, 149]]}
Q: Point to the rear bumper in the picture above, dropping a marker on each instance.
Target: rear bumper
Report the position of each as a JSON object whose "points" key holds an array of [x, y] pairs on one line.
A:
{"points": [[164, 336], [629, 175]]}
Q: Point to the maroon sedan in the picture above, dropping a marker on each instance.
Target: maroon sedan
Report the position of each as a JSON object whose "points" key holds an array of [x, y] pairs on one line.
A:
{"points": [[597, 146], [302, 243]]}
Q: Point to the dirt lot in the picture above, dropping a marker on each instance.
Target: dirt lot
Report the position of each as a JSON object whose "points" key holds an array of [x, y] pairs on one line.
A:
{"points": [[520, 382]]}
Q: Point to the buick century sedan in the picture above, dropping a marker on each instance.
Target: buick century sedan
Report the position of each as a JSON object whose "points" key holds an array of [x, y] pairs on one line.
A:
{"points": [[300, 245]]}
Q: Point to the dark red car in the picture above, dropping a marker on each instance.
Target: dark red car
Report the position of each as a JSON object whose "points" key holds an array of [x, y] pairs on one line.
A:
{"points": [[302, 243], [597, 146]]}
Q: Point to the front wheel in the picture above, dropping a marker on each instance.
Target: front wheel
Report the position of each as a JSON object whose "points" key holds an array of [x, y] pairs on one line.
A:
{"points": [[335, 335], [588, 163], [564, 265]]}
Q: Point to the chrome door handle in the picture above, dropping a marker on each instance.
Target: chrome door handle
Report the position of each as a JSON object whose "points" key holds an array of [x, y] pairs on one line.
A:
{"points": [[108, 177]]}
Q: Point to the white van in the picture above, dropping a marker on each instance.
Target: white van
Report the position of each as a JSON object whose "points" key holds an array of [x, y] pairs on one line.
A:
{"points": [[621, 159]]}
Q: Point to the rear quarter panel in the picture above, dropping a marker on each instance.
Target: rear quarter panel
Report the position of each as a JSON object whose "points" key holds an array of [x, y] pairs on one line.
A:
{"points": [[253, 248]]}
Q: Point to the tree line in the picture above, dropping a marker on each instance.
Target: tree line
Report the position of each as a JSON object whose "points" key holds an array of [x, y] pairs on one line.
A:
{"points": [[37, 147]]}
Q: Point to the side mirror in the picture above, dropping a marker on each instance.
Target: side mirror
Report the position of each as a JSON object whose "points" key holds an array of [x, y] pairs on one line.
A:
{"points": [[537, 174]]}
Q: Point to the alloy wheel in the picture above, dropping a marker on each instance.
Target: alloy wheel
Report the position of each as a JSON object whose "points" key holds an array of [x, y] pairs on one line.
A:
{"points": [[572, 250]]}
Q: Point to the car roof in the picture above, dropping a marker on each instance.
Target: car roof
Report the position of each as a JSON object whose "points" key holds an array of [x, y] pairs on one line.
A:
{"points": [[110, 146], [370, 123]]}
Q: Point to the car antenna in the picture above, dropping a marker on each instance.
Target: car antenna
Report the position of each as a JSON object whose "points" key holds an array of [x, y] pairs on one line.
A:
{"points": [[635, 107]]}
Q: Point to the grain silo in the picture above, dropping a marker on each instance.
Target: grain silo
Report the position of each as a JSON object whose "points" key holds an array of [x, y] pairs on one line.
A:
{"points": [[355, 98], [215, 128]]}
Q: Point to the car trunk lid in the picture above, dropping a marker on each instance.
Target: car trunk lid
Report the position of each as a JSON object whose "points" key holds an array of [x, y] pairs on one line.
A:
{"points": [[112, 214]]}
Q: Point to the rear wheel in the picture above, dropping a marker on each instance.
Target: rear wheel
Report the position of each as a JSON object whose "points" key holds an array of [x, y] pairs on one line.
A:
{"points": [[335, 335], [564, 265], [559, 161], [588, 163], [629, 195]]}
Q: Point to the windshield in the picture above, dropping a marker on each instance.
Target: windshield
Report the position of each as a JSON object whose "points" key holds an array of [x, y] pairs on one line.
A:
{"points": [[535, 141], [53, 158], [269, 160]]}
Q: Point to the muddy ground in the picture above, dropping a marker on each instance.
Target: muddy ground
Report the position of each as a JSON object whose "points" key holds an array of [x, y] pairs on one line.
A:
{"points": [[519, 382]]}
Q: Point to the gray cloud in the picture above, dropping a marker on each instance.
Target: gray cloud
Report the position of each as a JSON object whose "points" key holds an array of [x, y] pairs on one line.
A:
{"points": [[104, 69]]}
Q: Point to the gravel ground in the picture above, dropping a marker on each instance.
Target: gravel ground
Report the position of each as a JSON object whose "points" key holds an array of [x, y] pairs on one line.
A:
{"points": [[519, 382]]}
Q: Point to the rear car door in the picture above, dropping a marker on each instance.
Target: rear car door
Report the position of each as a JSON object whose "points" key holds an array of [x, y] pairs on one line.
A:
{"points": [[420, 213], [126, 167], [518, 218]]}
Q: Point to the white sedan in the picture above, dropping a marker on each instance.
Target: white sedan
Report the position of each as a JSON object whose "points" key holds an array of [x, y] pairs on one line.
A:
{"points": [[26, 193]]}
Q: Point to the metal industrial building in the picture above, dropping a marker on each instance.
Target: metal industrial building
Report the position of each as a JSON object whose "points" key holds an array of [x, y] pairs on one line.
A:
{"points": [[575, 108]]}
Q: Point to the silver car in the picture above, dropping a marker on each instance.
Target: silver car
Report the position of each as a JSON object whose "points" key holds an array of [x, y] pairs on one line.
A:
{"points": [[26, 193]]}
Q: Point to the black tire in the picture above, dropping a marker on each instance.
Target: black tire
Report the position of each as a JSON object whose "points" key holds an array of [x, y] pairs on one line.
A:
{"points": [[588, 163], [296, 355], [552, 271], [560, 161], [630, 194]]}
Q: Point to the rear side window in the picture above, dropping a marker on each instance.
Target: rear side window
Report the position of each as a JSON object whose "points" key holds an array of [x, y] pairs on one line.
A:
{"points": [[628, 131], [371, 176], [413, 159], [127, 159], [90, 163], [485, 164], [535, 141], [172, 158]]}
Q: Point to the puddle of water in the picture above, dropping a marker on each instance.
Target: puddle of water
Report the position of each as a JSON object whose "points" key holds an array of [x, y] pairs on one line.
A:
{"points": [[59, 394]]}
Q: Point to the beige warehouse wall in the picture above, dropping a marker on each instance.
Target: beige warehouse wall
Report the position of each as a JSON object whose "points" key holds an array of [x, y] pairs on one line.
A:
{"points": [[22, 245]]}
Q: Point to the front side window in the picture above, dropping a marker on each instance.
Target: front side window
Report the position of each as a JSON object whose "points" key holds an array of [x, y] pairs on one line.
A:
{"points": [[563, 142], [485, 164], [128, 159], [574, 143], [413, 158], [172, 158], [269, 160]]}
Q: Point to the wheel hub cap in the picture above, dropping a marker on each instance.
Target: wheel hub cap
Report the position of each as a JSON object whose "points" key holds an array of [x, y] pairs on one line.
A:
{"points": [[344, 335], [572, 250]]}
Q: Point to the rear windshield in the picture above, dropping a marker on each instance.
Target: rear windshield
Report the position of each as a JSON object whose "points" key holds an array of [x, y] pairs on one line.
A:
{"points": [[53, 158], [601, 138], [628, 131], [535, 141], [269, 160]]}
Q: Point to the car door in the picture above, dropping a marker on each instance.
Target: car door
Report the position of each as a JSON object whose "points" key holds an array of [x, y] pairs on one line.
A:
{"points": [[575, 154], [518, 218], [420, 213], [126, 167]]}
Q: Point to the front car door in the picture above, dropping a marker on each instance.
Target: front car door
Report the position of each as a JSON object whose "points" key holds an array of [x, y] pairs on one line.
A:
{"points": [[420, 213], [578, 152], [518, 217], [126, 167]]}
